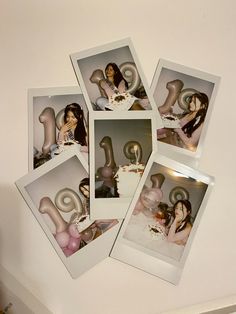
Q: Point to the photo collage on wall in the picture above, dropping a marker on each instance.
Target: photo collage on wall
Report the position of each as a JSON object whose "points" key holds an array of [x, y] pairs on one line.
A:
{"points": [[113, 162]]}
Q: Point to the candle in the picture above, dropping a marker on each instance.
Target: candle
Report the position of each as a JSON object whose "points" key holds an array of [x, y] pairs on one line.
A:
{"points": [[136, 153]]}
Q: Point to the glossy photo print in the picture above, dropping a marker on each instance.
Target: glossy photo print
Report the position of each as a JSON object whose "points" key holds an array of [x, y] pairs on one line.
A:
{"points": [[119, 150], [57, 121], [184, 98], [163, 218], [111, 78], [58, 196]]}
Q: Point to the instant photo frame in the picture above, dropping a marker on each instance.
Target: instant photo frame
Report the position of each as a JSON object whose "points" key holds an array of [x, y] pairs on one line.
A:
{"points": [[53, 195], [117, 141], [149, 238], [185, 128], [89, 67], [46, 116]]}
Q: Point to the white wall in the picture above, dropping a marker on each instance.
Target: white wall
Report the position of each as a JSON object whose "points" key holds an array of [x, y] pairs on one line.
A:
{"points": [[36, 40]]}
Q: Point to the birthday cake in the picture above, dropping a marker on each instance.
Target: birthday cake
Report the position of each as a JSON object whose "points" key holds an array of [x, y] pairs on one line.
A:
{"points": [[170, 121], [120, 101], [63, 146], [156, 231], [127, 178]]}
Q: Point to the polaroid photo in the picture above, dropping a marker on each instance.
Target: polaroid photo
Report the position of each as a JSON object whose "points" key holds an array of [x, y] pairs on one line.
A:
{"points": [[224, 305], [58, 195], [120, 145], [57, 121], [112, 79], [163, 217], [184, 98]]}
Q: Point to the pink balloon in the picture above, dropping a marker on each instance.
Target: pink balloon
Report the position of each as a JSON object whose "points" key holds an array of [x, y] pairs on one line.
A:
{"points": [[67, 252], [150, 197], [62, 239], [106, 172], [174, 88], [74, 244], [73, 231]]}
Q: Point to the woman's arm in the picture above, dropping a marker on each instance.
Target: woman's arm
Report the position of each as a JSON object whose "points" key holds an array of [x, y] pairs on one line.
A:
{"points": [[192, 141], [105, 86], [121, 87], [179, 236]]}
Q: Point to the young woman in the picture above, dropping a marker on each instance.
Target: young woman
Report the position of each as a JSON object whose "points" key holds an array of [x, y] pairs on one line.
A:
{"points": [[192, 122], [188, 135], [114, 84], [73, 128], [181, 226]]}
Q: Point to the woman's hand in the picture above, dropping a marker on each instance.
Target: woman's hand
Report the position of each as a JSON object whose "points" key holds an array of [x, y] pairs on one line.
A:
{"points": [[66, 127]]}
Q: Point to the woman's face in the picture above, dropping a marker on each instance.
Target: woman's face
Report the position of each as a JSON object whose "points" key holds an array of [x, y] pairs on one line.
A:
{"points": [[71, 118], [181, 211], [195, 104], [110, 71]]}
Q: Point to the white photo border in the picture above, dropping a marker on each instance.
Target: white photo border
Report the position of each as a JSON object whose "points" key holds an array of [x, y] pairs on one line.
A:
{"points": [[153, 262], [85, 258], [112, 208], [181, 154]]}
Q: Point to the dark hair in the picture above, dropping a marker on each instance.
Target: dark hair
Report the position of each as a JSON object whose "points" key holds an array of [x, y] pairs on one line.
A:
{"points": [[187, 219], [162, 213], [80, 132], [118, 77], [192, 125], [83, 182]]}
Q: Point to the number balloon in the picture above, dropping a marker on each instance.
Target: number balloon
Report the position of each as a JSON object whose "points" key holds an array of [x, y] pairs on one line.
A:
{"points": [[133, 151], [106, 144], [157, 180], [46, 206], [66, 200], [47, 118], [183, 99], [178, 193], [174, 88], [130, 73], [96, 77]]}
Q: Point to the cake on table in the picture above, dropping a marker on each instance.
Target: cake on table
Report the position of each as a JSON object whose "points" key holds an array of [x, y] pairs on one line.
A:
{"points": [[127, 178], [120, 101], [170, 121], [156, 231]]}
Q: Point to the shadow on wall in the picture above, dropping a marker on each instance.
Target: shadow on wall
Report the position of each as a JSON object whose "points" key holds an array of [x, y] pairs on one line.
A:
{"points": [[11, 248]]}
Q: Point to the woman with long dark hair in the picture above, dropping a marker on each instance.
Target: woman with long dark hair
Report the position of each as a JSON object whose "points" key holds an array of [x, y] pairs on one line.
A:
{"points": [[73, 128], [181, 226], [115, 87], [192, 122]]}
